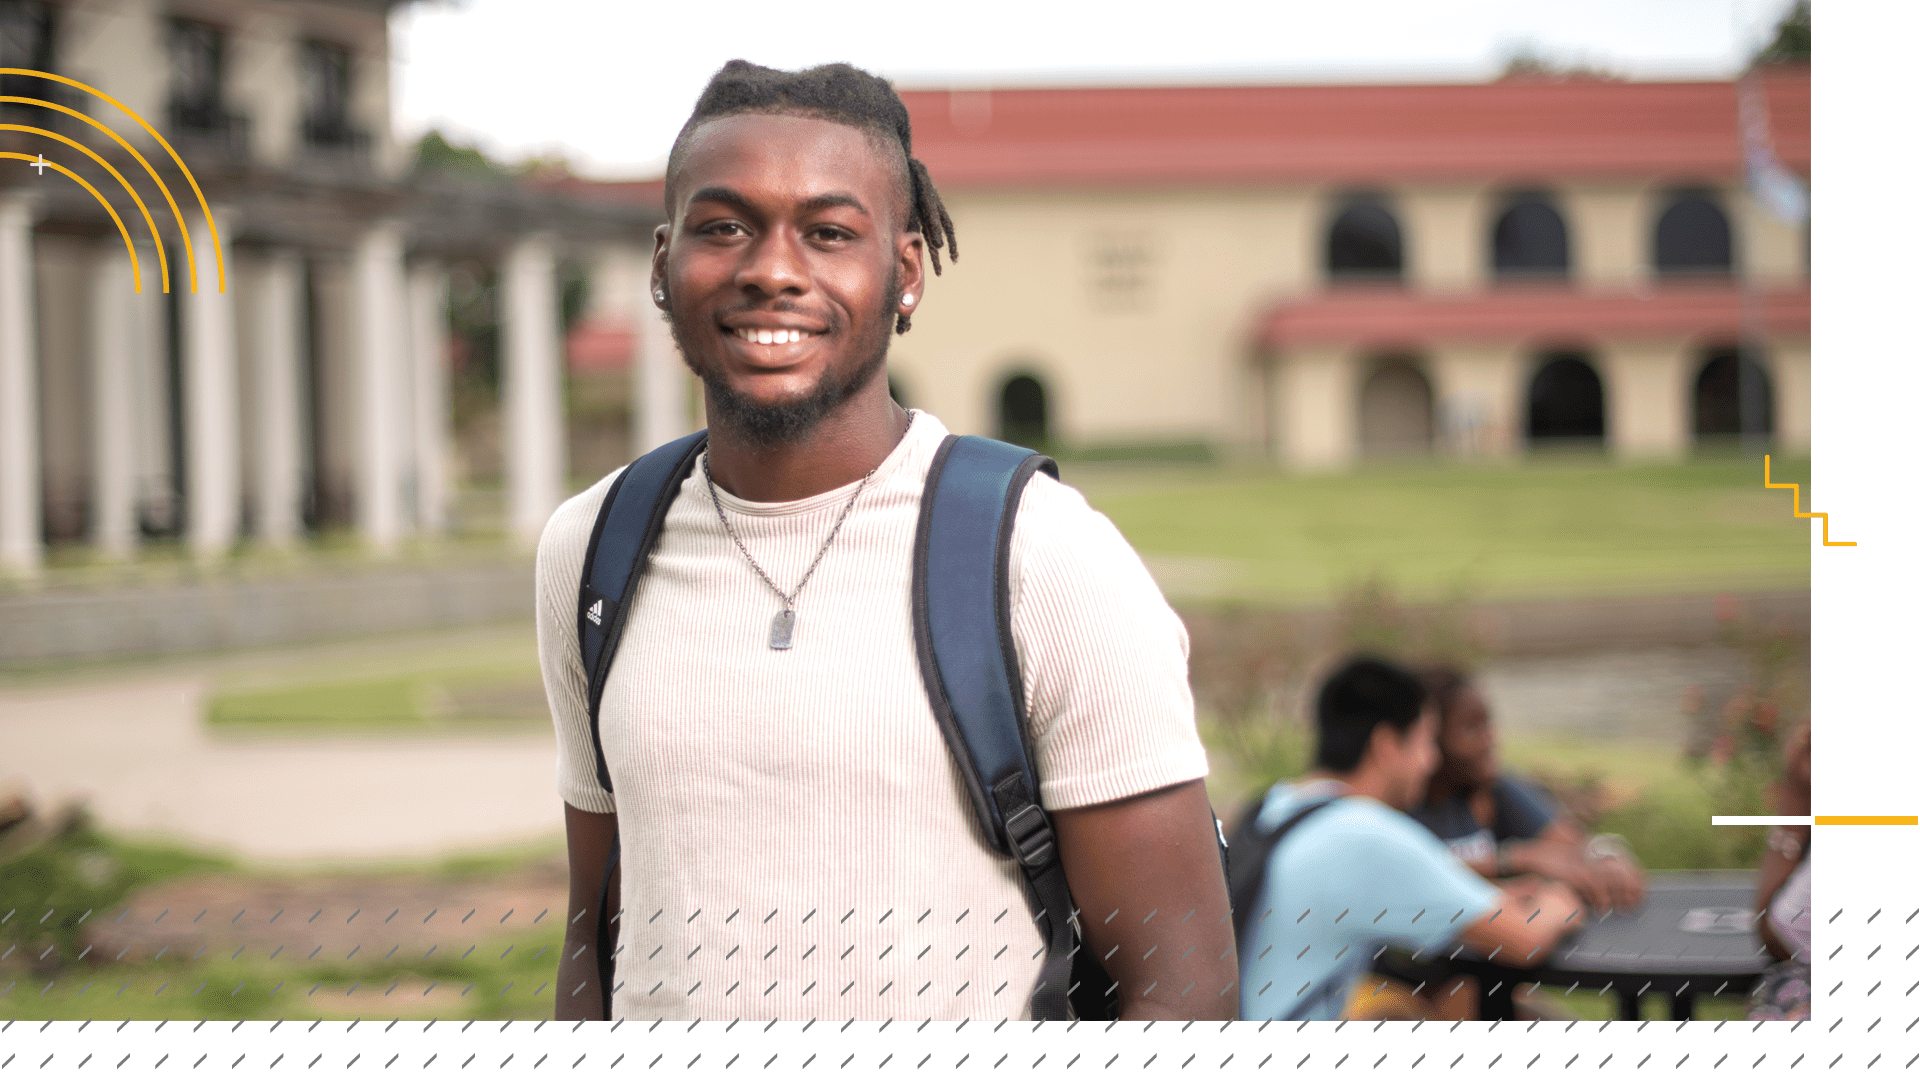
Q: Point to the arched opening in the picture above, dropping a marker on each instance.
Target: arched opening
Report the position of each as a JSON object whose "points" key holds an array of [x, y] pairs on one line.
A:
{"points": [[1725, 379], [1529, 238], [1566, 404], [1693, 236], [1364, 240], [1023, 412], [1396, 411]]}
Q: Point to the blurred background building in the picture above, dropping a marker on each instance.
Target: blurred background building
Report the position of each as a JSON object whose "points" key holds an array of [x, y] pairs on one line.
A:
{"points": [[313, 393], [1310, 275], [1318, 274]]}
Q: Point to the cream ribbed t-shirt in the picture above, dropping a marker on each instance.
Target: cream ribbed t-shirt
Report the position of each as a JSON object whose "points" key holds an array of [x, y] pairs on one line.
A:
{"points": [[796, 840]]}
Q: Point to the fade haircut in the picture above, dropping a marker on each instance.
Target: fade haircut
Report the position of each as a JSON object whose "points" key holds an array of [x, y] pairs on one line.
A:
{"points": [[1364, 693], [843, 94]]}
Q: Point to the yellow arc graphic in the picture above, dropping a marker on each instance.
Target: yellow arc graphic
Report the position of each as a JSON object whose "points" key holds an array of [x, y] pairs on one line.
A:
{"points": [[144, 163], [166, 284], [213, 230], [77, 178], [1767, 480]]}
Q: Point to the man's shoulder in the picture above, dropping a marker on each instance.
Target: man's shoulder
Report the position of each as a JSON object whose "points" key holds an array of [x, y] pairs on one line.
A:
{"points": [[568, 530]]}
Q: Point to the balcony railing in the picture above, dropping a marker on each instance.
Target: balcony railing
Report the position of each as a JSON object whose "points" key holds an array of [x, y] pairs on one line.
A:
{"points": [[210, 130]]}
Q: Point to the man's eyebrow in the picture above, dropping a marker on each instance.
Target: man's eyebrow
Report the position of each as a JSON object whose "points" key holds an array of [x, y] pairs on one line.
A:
{"points": [[831, 200], [825, 201], [720, 195]]}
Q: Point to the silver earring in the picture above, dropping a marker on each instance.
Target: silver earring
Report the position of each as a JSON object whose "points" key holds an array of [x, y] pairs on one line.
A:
{"points": [[907, 299], [659, 296]]}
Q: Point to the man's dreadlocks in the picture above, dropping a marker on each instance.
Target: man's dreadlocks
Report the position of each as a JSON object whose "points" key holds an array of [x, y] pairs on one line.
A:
{"points": [[843, 94]]}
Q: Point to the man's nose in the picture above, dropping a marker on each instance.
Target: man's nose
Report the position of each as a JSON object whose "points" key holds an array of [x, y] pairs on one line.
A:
{"points": [[774, 265]]}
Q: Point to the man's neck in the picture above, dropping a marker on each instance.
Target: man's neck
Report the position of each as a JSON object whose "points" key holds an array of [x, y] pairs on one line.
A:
{"points": [[1361, 781], [841, 448]]}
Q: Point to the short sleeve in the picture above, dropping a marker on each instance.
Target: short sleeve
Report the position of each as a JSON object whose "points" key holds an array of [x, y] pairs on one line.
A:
{"points": [[1433, 892], [557, 567], [1102, 655], [1520, 809]]}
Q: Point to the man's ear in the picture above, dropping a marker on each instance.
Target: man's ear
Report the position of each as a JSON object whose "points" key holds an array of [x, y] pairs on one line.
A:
{"points": [[910, 256], [659, 272]]}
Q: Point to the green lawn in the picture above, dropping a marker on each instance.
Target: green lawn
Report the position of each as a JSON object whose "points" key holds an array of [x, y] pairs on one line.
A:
{"points": [[1543, 528]]}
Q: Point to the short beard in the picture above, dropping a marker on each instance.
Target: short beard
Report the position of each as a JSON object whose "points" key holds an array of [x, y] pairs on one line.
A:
{"points": [[764, 427]]}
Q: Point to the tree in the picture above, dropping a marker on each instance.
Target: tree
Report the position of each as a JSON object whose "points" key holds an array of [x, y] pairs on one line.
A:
{"points": [[1792, 38]]}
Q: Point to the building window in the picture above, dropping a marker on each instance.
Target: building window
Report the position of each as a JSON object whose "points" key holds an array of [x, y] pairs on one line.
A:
{"points": [[197, 55], [1120, 271], [26, 41], [1396, 411], [1566, 403], [1023, 412], [1693, 236], [1727, 387], [326, 73], [1529, 238], [1364, 240]]}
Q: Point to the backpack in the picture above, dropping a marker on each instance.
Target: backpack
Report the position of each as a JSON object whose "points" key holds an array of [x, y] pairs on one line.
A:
{"points": [[1253, 849], [963, 637]]}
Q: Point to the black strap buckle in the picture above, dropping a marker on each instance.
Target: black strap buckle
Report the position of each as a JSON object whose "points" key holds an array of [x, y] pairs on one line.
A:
{"points": [[1031, 836]]}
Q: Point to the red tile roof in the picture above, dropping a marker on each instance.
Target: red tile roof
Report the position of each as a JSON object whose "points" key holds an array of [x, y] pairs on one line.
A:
{"points": [[1508, 131], [1540, 314]]}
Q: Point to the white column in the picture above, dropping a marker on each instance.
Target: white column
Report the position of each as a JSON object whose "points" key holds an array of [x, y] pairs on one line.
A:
{"points": [[535, 446], [280, 423], [20, 541], [432, 409], [659, 379], [212, 399], [1649, 398], [380, 385], [1318, 391], [115, 343]]}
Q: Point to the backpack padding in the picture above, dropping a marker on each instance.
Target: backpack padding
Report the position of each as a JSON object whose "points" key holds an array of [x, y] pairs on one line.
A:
{"points": [[1252, 850], [962, 625], [629, 524]]}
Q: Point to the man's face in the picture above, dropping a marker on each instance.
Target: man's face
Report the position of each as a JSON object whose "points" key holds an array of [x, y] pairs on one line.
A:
{"points": [[1408, 759], [784, 266], [1467, 745]]}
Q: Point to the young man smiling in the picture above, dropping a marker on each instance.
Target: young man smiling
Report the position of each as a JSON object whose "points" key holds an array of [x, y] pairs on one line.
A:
{"points": [[796, 839]]}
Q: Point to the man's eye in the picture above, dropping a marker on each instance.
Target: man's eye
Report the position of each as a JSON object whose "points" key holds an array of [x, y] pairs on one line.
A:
{"points": [[829, 232], [723, 228]]}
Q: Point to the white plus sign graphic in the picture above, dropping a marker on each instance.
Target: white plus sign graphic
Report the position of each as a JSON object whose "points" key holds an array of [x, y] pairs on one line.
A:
{"points": [[41, 164]]}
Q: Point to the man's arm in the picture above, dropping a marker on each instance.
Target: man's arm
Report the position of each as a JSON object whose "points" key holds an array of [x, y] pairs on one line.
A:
{"points": [[1526, 922], [589, 840], [1146, 875]]}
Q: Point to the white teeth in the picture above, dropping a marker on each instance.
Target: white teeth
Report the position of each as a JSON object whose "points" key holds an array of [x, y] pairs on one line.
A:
{"points": [[766, 337], [781, 337]]}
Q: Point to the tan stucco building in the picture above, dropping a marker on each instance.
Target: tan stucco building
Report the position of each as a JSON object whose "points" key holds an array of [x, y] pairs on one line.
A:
{"points": [[1315, 274]]}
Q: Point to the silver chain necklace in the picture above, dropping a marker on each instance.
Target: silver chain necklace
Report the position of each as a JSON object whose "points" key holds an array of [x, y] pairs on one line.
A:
{"points": [[781, 636]]}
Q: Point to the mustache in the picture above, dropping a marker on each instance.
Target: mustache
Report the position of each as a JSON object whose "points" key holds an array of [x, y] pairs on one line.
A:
{"points": [[827, 318]]}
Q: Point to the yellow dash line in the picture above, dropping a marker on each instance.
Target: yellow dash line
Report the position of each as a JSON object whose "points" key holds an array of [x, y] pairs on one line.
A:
{"points": [[1767, 480], [1869, 819]]}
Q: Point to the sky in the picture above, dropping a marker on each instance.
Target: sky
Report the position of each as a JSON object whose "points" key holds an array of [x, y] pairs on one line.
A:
{"points": [[607, 83]]}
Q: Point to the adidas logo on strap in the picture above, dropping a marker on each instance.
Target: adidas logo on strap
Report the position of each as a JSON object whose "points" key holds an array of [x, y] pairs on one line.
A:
{"points": [[593, 613]]}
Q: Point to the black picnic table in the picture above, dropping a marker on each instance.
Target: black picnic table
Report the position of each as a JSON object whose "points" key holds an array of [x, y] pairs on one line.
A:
{"points": [[1693, 934]]}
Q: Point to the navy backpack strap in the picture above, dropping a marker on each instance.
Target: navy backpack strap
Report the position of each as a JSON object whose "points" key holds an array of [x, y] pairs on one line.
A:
{"points": [[623, 537], [963, 633], [1252, 848]]}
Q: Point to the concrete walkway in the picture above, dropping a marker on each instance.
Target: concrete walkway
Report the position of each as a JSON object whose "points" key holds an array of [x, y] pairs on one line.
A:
{"points": [[134, 748]]}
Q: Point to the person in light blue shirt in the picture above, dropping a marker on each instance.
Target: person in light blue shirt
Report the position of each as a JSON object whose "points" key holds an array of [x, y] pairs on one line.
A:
{"points": [[1358, 874]]}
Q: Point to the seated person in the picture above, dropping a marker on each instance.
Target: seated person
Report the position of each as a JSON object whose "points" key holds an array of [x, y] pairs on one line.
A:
{"points": [[1784, 895], [1360, 874], [1503, 826]]}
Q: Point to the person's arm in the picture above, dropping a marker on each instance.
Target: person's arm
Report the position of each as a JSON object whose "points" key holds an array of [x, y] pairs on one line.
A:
{"points": [[589, 840], [1155, 860], [1545, 840], [1527, 921], [1786, 844]]}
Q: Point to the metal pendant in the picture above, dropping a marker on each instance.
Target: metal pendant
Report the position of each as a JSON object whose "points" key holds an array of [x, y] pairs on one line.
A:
{"points": [[782, 636]]}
